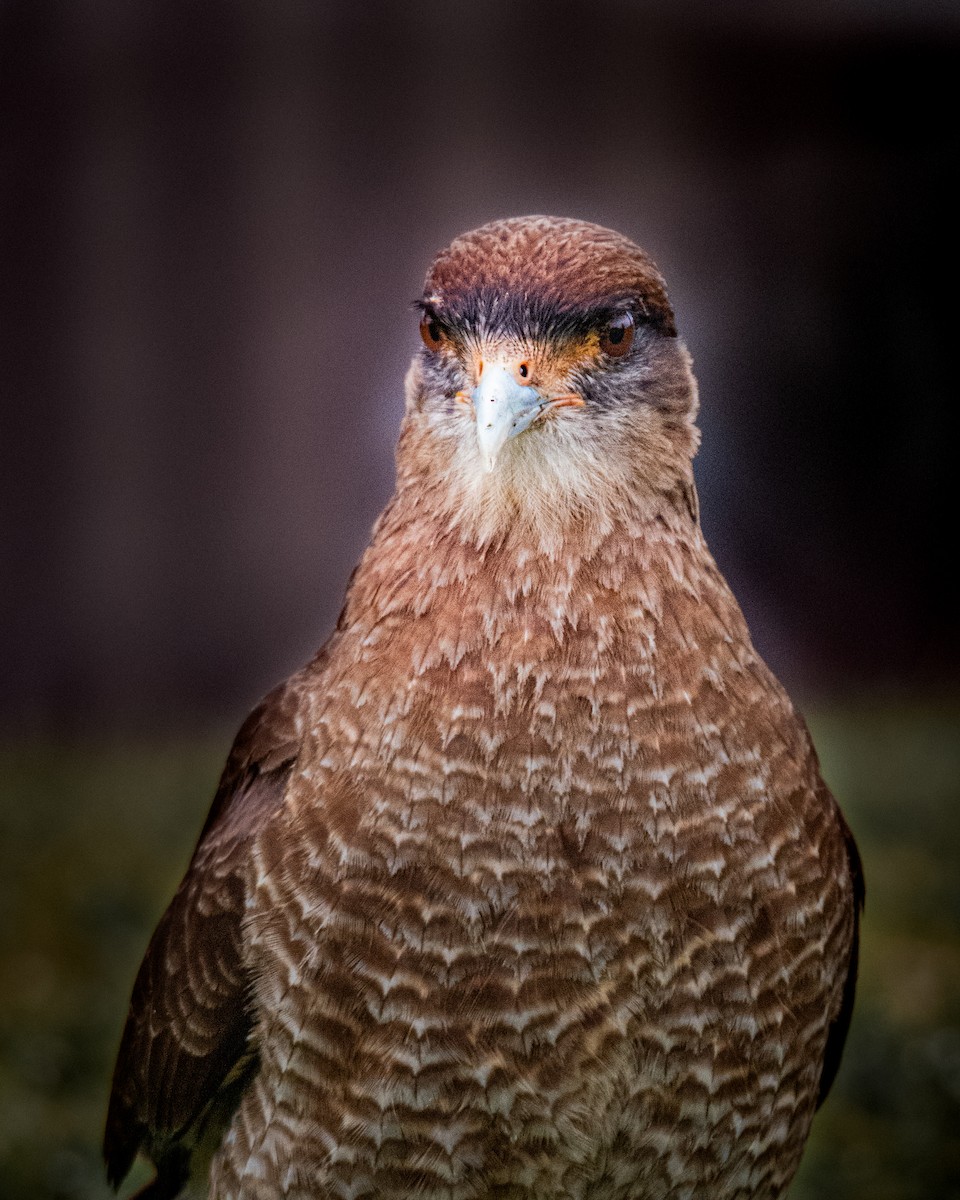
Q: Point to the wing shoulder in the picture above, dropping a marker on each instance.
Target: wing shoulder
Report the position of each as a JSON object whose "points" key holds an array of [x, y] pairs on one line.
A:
{"points": [[187, 1030]]}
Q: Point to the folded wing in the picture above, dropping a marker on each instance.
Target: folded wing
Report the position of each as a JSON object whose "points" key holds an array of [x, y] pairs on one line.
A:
{"points": [[186, 1040]]}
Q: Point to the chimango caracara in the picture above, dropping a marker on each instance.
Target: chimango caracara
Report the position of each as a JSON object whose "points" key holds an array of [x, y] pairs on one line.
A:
{"points": [[527, 886]]}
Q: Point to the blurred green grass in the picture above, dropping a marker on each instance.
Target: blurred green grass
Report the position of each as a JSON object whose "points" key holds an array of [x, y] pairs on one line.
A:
{"points": [[93, 839]]}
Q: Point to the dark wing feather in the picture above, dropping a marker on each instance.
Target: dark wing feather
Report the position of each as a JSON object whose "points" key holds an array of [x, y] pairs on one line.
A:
{"points": [[837, 1035], [188, 1024]]}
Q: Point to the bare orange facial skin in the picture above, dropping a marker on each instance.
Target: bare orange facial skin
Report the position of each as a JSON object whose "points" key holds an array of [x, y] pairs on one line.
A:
{"points": [[548, 366]]}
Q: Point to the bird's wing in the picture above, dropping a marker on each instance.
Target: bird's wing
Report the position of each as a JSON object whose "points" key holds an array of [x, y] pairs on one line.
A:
{"points": [[188, 1025], [839, 1027]]}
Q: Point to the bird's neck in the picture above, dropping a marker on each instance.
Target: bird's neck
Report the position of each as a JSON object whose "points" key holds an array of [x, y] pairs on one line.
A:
{"points": [[451, 655], [421, 565], [562, 489]]}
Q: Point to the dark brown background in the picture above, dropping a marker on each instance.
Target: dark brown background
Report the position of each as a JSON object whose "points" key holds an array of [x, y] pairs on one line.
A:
{"points": [[213, 217]]}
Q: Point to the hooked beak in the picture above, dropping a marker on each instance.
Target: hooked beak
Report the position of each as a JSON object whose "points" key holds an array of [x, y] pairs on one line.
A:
{"points": [[505, 408]]}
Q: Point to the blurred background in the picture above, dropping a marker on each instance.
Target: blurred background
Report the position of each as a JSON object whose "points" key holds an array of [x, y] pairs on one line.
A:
{"points": [[212, 222]]}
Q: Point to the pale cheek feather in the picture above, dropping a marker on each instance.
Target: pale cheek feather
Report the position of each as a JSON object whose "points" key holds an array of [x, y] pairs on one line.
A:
{"points": [[544, 481], [573, 468]]}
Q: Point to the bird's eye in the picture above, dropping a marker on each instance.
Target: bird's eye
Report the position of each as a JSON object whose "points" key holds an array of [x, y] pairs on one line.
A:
{"points": [[432, 332], [617, 338]]}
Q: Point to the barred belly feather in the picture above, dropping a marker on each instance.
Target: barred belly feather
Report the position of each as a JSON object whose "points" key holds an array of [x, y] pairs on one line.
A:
{"points": [[561, 927]]}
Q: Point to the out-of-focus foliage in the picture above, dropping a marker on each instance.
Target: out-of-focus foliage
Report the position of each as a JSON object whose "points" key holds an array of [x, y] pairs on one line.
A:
{"points": [[891, 1127], [93, 841]]}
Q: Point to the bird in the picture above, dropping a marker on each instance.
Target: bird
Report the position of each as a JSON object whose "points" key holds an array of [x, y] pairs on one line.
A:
{"points": [[528, 886]]}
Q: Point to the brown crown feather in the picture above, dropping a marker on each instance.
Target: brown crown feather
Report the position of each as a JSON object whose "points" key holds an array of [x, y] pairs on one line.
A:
{"points": [[564, 263]]}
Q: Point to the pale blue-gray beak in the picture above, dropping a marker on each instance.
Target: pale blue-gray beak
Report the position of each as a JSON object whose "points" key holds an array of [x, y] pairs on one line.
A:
{"points": [[504, 408]]}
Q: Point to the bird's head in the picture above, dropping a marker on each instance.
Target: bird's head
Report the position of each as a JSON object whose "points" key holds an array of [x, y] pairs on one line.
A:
{"points": [[551, 385]]}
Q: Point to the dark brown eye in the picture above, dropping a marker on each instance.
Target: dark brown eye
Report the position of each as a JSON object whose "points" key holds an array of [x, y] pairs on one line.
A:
{"points": [[431, 332], [617, 338]]}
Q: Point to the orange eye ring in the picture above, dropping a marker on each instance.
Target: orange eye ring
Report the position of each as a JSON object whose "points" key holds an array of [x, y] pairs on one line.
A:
{"points": [[432, 332], [617, 338]]}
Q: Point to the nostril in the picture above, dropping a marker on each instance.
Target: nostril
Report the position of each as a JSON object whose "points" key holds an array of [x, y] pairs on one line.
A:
{"points": [[480, 369]]}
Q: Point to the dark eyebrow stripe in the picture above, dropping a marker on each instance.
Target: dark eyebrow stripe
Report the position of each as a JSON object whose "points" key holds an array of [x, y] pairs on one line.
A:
{"points": [[538, 315]]}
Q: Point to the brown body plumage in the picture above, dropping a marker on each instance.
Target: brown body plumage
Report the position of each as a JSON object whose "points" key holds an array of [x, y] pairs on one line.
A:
{"points": [[528, 885]]}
